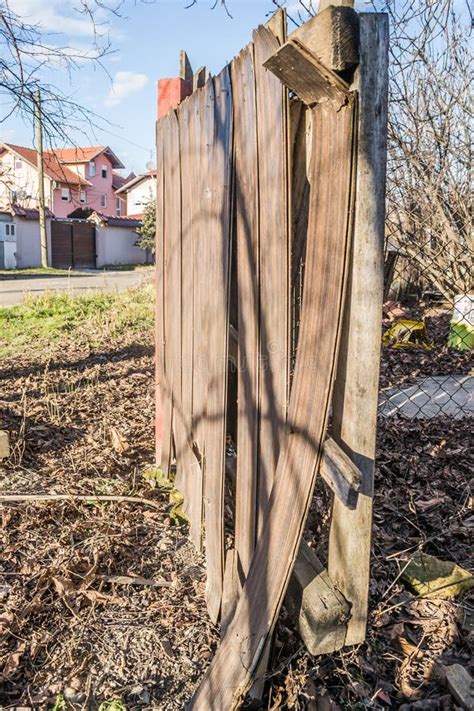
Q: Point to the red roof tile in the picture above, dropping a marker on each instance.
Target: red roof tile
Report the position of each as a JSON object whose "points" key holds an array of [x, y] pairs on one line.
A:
{"points": [[28, 213], [78, 154], [52, 166], [112, 221], [83, 154]]}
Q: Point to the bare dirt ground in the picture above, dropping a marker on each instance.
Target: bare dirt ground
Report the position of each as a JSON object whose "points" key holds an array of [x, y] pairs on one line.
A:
{"points": [[75, 634]]}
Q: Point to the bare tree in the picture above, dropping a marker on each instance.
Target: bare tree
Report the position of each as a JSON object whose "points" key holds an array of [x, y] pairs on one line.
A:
{"points": [[28, 53], [429, 210], [430, 161]]}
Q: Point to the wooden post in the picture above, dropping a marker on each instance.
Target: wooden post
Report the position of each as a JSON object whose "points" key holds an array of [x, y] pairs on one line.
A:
{"points": [[316, 607], [356, 386], [40, 163]]}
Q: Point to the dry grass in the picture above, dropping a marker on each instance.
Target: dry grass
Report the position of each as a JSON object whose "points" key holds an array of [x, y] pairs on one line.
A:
{"points": [[80, 410], [78, 400]]}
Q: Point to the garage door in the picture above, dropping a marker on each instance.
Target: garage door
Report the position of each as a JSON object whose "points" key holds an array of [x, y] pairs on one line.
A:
{"points": [[72, 245]]}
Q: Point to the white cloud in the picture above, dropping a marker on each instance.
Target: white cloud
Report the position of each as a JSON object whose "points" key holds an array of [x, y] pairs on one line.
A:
{"points": [[125, 84], [51, 16]]}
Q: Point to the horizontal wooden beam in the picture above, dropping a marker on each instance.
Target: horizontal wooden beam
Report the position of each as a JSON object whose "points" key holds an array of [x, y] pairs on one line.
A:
{"points": [[332, 36], [315, 605], [301, 71], [340, 473]]}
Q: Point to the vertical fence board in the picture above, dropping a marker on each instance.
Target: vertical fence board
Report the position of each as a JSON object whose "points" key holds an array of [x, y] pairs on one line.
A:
{"points": [[196, 220], [160, 430], [241, 648], [271, 100], [217, 278], [273, 265], [356, 389], [189, 475], [187, 157], [162, 302], [246, 205], [172, 266]]}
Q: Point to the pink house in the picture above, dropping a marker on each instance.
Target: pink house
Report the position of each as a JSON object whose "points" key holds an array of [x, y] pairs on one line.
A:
{"points": [[96, 166], [73, 178]]}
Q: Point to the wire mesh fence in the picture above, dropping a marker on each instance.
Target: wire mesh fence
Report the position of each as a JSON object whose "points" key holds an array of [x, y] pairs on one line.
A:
{"points": [[428, 330]]}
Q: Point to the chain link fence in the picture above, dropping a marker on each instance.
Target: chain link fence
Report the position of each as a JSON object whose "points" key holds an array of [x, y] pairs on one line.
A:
{"points": [[428, 330]]}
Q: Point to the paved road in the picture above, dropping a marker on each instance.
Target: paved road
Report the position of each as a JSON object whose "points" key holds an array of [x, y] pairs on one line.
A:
{"points": [[451, 395], [12, 291]]}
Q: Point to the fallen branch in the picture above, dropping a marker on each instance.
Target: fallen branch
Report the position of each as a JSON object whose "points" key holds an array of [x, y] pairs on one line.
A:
{"points": [[134, 580], [78, 497]]}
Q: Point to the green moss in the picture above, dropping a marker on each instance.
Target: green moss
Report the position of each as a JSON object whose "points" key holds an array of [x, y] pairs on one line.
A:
{"points": [[428, 576]]}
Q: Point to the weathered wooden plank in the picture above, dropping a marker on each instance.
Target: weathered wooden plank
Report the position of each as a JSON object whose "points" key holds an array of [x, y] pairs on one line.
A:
{"points": [[356, 388], [315, 605], [246, 207], [164, 400], [332, 36], [218, 118], [200, 78], [273, 266], [189, 474], [274, 256], [300, 70], [188, 156], [239, 653], [185, 68], [172, 267], [340, 473], [231, 590]]}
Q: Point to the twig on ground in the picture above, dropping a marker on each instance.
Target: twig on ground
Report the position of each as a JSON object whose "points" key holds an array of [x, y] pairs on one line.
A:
{"points": [[134, 580], [17, 498]]}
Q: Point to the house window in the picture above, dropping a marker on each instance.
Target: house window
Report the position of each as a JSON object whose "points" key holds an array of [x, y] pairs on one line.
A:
{"points": [[118, 207], [91, 168], [9, 229], [18, 164], [65, 195], [104, 171], [82, 196], [103, 200]]}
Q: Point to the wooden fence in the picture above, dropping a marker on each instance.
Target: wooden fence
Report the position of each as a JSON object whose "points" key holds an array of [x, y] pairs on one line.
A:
{"points": [[269, 262]]}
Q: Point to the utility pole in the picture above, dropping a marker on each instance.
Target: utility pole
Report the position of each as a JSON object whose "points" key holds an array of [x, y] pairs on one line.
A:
{"points": [[40, 164]]}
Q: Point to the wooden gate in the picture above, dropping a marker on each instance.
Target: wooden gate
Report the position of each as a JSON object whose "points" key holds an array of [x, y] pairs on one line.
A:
{"points": [[270, 222], [73, 244]]}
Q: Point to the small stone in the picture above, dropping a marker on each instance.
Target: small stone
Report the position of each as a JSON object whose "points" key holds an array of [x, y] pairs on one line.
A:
{"points": [[461, 686], [428, 576]]}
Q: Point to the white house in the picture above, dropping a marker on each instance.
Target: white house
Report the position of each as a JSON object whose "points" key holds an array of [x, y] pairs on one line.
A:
{"points": [[116, 240], [139, 191], [20, 244], [19, 180]]}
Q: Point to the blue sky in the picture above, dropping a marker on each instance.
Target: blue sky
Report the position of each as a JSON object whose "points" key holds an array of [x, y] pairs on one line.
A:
{"points": [[147, 39]]}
